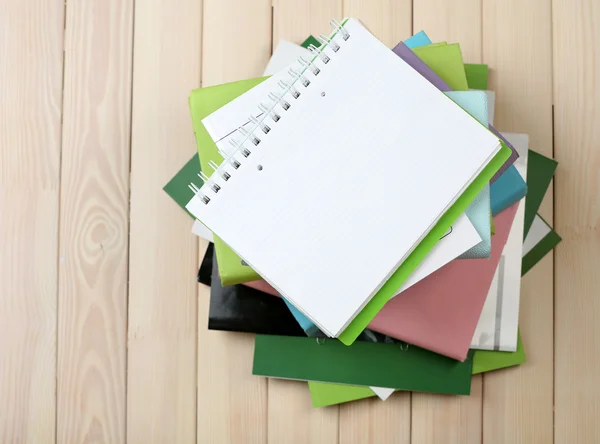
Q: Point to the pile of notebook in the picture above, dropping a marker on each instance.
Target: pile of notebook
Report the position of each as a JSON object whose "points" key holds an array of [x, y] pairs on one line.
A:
{"points": [[367, 221]]}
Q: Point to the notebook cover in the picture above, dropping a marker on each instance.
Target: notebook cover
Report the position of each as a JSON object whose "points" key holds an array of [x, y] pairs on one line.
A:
{"points": [[429, 73], [477, 76], [324, 394], [540, 171], [363, 363], [539, 251], [244, 309], [440, 313]]}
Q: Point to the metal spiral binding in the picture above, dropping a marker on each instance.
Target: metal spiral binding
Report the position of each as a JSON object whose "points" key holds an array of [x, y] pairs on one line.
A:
{"points": [[298, 80]]}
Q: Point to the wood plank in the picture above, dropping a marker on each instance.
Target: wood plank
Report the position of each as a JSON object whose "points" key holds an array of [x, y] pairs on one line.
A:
{"points": [[457, 418], [295, 20], [94, 222], [161, 383], [389, 20], [371, 420], [452, 21], [374, 421], [237, 40], [517, 46], [577, 138], [31, 69], [291, 417], [232, 403], [448, 419]]}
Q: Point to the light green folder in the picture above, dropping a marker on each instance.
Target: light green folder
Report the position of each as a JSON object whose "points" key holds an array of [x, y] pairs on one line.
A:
{"points": [[324, 394], [447, 62]]}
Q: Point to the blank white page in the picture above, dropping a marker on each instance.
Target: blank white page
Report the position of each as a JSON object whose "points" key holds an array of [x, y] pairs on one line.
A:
{"points": [[369, 147]]}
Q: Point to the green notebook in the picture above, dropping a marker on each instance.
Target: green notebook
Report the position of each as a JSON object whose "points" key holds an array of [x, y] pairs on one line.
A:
{"points": [[477, 76], [364, 363]]}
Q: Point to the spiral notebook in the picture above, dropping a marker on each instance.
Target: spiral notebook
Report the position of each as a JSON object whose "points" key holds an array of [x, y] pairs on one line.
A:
{"points": [[293, 187]]}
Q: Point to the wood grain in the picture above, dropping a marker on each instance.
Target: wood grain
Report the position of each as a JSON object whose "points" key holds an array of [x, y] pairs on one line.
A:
{"points": [[31, 69], [373, 421], [457, 419], [295, 20], [448, 419], [292, 418], [161, 401], [518, 404], [452, 21], [389, 20], [577, 216], [94, 220], [232, 403]]}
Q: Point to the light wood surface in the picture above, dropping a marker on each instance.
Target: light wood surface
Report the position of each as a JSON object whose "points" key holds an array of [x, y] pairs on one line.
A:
{"points": [[104, 336]]}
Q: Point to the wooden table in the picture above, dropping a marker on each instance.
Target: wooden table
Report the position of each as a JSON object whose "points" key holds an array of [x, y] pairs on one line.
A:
{"points": [[104, 334]]}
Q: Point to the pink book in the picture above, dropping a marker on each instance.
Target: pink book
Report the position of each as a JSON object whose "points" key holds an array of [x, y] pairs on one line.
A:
{"points": [[440, 313], [263, 286]]}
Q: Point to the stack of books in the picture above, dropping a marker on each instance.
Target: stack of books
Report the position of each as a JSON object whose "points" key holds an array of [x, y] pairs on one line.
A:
{"points": [[367, 221]]}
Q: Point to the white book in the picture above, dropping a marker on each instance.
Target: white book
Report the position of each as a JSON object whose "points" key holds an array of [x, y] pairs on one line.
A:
{"points": [[294, 206], [382, 393], [200, 230], [498, 325]]}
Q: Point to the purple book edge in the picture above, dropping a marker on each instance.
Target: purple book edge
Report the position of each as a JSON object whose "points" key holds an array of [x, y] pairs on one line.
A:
{"points": [[405, 53]]}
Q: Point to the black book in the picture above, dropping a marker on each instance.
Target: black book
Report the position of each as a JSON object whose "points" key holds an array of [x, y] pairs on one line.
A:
{"points": [[244, 309]]}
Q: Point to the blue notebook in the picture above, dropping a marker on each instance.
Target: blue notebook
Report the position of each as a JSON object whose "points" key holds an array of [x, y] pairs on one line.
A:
{"points": [[506, 190]]}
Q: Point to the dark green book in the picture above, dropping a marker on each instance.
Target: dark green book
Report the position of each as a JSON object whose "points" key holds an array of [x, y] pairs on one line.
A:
{"points": [[540, 170], [178, 187], [541, 240], [393, 365]]}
